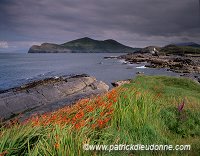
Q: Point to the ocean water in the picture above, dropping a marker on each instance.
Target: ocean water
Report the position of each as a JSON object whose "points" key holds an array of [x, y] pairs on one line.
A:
{"points": [[18, 69]]}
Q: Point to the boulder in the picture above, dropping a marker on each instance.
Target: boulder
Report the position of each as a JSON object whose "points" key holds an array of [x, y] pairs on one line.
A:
{"points": [[139, 73], [120, 82], [159, 61]]}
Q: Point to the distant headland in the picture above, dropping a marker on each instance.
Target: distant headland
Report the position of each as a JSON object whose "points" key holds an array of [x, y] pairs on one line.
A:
{"points": [[83, 45]]}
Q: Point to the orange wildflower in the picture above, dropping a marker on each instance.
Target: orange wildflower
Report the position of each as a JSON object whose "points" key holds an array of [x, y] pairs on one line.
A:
{"points": [[102, 114], [90, 108], [106, 120], [79, 115], [137, 94], [84, 101], [110, 112], [103, 104], [54, 117], [115, 100], [77, 126], [109, 105], [4, 153], [93, 126], [66, 120], [57, 145], [100, 123], [158, 95], [80, 124], [73, 120]]}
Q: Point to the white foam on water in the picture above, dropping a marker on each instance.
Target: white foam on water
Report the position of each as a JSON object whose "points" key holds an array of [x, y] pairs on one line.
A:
{"points": [[122, 61], [141, 67]]}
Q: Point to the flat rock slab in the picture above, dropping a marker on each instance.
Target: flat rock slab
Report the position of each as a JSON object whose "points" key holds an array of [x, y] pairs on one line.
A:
{"points": [[48, 95]]}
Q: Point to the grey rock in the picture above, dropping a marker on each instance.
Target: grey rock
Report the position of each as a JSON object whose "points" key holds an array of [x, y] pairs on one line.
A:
{"points": [[5, 112], [140, 73], [120, 82], [176, 63], [48, 95]]}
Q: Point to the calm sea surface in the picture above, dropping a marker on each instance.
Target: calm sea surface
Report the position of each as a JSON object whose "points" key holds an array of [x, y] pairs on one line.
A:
{"points": [[17, 69]]}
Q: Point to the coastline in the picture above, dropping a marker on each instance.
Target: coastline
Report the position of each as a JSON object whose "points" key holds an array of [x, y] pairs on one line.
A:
{"points": [[34, 107], [48, 95], [147, 110], [188, 65]]}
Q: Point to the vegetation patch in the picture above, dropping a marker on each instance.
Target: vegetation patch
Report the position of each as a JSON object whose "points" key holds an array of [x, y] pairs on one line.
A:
{"points": [[149, 110]]}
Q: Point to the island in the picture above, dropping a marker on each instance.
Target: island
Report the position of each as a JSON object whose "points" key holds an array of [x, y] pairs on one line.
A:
{"points": [[83, 45]]}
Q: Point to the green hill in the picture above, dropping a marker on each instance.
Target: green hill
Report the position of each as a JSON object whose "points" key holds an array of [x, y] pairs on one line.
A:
{"points": [[180, 50], [83, 45]]}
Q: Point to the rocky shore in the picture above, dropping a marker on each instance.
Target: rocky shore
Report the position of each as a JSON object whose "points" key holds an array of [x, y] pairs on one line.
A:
{"points": [[47, 95], [154, 57]]}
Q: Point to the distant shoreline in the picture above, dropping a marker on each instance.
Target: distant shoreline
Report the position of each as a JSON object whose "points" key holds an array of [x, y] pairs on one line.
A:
{"points": [[170, 58]]}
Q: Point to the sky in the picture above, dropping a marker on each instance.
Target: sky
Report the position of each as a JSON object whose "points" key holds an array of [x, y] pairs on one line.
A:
{"points": [[136, 23]]}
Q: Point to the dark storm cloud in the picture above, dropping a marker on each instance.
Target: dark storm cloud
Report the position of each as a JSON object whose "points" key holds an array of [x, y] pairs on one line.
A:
{"points": [[133, 22]]}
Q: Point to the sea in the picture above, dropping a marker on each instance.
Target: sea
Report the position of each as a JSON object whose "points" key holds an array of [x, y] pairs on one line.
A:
{"points": [[20, 68]]}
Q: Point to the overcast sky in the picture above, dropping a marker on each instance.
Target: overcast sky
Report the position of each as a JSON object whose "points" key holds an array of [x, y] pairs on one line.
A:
{"points": [[136, 23]]}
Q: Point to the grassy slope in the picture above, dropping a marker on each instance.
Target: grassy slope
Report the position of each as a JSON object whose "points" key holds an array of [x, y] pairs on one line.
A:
{"points": [[172, 49], [143, 112], [90, 45]]}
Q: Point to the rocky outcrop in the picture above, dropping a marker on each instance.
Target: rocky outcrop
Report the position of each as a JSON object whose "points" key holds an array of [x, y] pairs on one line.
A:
{"points": [[48, 95], [168, 57], [180, 64], [149, 49]]}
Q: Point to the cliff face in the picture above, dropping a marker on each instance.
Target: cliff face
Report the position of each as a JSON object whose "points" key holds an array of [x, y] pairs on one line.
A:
{"points": [[83, 45]]}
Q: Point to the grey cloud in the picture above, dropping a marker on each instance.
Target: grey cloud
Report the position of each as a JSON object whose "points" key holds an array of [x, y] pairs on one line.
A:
{"points": [[133, 22]]}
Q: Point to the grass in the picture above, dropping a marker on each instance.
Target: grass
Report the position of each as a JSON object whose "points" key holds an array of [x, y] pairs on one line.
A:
{"points": [[181, 50], [89, 45], [142, 112]]}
